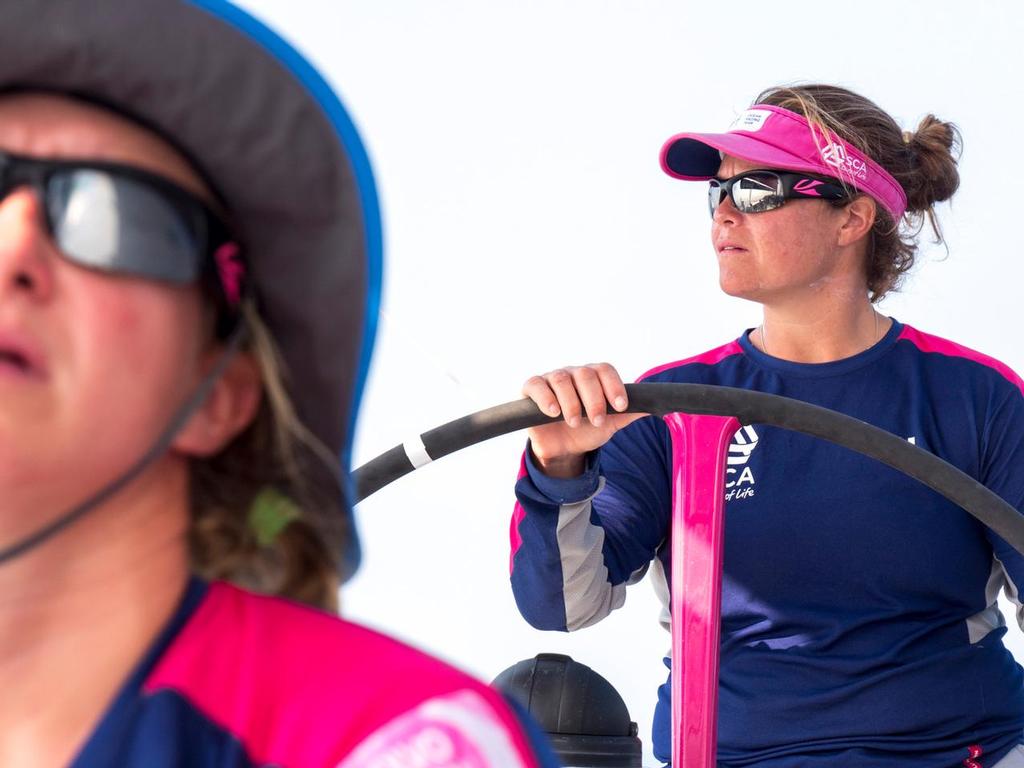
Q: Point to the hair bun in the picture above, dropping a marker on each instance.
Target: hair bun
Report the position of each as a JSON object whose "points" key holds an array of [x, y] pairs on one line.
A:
{"points": [[935, 149]]}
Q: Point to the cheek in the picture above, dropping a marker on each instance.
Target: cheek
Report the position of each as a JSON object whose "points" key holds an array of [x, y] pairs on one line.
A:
{"points": [[122, 357], [141, 327], [133, 353], [793, 248]]}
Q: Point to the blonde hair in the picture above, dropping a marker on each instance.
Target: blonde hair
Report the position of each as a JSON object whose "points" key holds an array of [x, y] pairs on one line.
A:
{"points": [[270, 468], [923, 162]]}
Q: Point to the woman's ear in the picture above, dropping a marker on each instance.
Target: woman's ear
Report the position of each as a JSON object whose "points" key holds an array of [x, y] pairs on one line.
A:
{"points": [[228, 409], [858, 218]]}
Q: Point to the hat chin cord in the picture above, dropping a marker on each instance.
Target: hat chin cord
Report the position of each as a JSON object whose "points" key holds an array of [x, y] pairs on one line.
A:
{"points": [[159, 447]]}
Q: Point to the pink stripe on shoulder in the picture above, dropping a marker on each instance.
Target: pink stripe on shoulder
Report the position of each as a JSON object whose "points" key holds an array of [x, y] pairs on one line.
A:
{"points": [[518, 514], [301, 688], [711, 357], [928, 343]]}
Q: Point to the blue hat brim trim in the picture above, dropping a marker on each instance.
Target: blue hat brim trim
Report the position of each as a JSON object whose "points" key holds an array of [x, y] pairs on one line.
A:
{"points": [[362, 171]]}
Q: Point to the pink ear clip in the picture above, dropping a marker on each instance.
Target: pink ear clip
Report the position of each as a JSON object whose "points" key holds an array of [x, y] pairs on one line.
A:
{"points": [[230, 270]]}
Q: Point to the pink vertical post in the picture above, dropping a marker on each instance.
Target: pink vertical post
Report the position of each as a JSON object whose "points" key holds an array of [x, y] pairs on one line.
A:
{"points": [[700, 446]]}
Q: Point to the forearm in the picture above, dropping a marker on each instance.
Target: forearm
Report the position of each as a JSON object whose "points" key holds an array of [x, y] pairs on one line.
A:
{"points": [[577, 543], [558, 575]]}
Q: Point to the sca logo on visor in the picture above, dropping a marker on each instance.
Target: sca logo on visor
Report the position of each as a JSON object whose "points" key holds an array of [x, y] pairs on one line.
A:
{"points": [[836, 156]]}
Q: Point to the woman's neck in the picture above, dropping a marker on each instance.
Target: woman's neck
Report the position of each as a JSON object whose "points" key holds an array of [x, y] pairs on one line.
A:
{"points": [[79, 612], [820, 331]]}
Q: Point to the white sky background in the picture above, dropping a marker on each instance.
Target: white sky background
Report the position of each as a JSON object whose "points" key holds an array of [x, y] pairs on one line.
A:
{"points": [[528, 225]]}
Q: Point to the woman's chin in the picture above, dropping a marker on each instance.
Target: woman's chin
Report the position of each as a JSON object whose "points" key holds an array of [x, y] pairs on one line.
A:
{"points": [[740, 289]]}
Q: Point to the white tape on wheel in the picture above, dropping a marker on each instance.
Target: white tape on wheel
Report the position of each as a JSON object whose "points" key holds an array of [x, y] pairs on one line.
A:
{"points": [[416, 452]]}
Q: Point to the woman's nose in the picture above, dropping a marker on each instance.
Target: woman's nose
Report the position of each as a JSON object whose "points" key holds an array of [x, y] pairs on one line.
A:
{"points": [[25, 248], [725, 211]]}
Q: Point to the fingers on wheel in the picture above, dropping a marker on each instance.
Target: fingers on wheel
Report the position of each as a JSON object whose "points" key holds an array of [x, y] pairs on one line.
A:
{"points": [[591, 393], [611, 383], [575, 391], [562, 383], [539, 390]]}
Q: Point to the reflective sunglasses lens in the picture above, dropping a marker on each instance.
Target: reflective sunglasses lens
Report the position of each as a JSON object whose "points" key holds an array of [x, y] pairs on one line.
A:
{"points": [[119, 224], [715, 195], [758, 192]]}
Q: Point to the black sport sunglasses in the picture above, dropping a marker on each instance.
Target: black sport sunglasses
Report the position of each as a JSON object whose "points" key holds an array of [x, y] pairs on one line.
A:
{"points": [[121, 219], [765, 190]]}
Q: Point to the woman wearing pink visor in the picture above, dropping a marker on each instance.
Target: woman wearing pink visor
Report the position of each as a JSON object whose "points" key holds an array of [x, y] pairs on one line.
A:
{"points": [[859, 617]]}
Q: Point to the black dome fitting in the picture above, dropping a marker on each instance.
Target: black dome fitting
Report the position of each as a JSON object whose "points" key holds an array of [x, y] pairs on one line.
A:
{"points": [[582, 713]]}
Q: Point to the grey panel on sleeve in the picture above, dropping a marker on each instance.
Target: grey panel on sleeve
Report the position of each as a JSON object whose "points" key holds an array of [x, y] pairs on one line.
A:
{"points": [[983, 622], [589, 594], [1012, 593]]}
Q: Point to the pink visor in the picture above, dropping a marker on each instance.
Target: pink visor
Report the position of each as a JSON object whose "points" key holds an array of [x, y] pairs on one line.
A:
{"points": [[780, 139]]}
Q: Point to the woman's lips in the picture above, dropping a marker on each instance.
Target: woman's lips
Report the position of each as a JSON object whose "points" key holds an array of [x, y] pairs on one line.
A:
{"points": [[20, 356], [730, 248]]}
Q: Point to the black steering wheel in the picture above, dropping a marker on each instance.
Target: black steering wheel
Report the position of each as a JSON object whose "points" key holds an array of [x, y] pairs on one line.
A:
{"points": [[748, 407]]}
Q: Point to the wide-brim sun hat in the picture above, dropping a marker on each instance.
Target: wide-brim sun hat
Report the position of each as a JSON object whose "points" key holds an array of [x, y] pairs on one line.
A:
{"points": [[778, 138], [276, 143]]}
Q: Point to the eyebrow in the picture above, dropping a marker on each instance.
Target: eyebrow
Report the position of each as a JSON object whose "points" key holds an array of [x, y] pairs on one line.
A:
{"points": [[717, 177]]}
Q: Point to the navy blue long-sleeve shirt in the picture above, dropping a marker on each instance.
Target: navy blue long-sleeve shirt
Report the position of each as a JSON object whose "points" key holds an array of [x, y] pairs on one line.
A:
{"points": [[859, 616]]}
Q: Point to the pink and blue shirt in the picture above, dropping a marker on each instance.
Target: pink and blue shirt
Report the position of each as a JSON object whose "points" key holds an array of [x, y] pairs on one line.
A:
{"points": [[240, 680], [859, 616]]}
